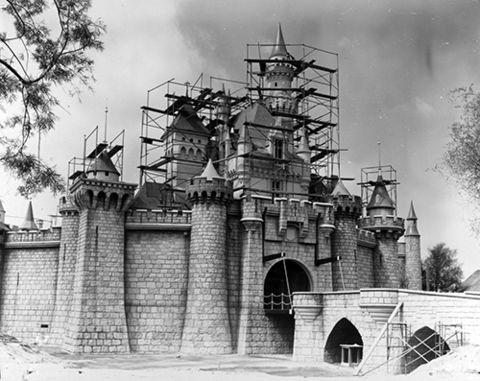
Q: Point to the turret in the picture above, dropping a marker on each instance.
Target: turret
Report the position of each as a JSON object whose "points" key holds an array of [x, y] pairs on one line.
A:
{"points": [[97, 317], [388, 228], [347, 209], [207, 324], [279, 76], [413, 262]]}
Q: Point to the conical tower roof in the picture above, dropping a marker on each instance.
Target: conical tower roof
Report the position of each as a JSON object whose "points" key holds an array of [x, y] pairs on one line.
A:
{"points": [[1, 207], [103, 163], [29, 222], [210, 172], [380, 198], [279, 49], [340, 189], [411, 213]]}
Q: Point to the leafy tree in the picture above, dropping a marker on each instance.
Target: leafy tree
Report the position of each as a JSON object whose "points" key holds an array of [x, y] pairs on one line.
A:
{"points": [[44, 46], [442, 270], [461, 160]]}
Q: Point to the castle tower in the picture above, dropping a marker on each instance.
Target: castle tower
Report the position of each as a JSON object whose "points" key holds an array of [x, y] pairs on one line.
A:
{"points": [[222, 112], [388, 228], [66, 267], [279, 76], [413, 261], [207, 325], [97, 321], [347, 209]]}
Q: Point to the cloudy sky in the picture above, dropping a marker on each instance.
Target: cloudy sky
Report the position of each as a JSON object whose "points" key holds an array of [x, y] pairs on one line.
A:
{"points": [[398, 62]]}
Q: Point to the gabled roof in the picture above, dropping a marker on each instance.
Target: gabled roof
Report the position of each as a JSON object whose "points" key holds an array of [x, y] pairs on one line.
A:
{"points": [[279, 49], [187, 121], [256, 113], [380, 198], [472, 283], [340, 189]]}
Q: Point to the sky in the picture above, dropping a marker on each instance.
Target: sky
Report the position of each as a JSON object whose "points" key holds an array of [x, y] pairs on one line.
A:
{"points": [[398, 61]]}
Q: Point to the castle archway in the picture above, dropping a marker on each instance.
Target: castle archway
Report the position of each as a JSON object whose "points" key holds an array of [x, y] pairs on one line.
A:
{"points": [[283, 278], [343, 337], [424, 345]]}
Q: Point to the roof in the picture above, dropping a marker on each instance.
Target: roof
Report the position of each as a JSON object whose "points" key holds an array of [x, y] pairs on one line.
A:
{"points": [[187, 120], [380, 198], [340, 189], [29, 222], [102, 163], [279, 49], [472, 283], [210, 172], [155, 195], [411, 213], [256, 113]]}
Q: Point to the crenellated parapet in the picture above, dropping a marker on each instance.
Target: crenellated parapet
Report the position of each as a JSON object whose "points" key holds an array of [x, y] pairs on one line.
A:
{"points": [[347, 206], [385, 225], [144, 216], [203, 189], [32, 239], [98, 194], [366, 238], [66, 206]]}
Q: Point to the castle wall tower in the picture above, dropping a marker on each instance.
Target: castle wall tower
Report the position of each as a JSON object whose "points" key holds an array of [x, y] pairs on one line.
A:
{"points": [[207, 324], [347, 209], [413, 261], [66, 267], [97, 321], [388, 228]]}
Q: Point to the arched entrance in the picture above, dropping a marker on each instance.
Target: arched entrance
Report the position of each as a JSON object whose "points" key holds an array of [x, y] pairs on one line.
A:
{"points": [[424, 345], [283, 278], [344, 335]]}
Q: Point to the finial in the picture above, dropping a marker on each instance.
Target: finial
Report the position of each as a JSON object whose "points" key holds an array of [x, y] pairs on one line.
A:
{"points": [[105, 126], [379, 143]]}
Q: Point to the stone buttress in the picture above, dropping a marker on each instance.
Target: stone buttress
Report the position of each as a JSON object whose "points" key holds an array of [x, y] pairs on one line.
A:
{"points": [[97, 321], [207, 324]]}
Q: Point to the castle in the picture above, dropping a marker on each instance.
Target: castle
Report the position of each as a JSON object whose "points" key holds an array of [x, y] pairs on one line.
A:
{"points": [[241, 237]]}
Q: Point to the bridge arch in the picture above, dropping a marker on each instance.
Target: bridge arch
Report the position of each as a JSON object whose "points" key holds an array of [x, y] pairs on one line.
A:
{"points": [[343, 333], [424, 345]]}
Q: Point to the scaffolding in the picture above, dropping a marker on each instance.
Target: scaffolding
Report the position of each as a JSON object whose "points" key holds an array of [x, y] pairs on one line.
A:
{"points": [[92, 148], [314, 90], [369, 179]]}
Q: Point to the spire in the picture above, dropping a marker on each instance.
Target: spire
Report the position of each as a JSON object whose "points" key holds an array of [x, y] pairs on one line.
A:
{"points": [[411, 213], [2, 213], [29, 222], [210, 172], [279, 49]]}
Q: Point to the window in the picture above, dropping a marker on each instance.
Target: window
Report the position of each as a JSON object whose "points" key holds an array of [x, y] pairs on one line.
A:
{"points": [[276, 188], [278, 148]]}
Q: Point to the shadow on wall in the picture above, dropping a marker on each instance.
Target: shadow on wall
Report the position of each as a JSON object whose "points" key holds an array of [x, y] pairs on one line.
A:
{"points": [[344, 332], [425, 345]]}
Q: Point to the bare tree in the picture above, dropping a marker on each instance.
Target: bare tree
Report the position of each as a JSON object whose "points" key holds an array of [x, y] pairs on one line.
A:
{"points": [[45, 46]]}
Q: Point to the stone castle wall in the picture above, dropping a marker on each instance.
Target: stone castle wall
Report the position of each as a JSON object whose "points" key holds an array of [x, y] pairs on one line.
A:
{"points": [[28, 284]]}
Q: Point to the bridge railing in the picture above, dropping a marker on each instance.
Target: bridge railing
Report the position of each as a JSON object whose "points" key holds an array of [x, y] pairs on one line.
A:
{"points": [[277, 302]]}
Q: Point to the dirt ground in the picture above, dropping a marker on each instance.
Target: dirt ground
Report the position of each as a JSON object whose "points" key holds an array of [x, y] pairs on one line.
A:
{"points": [[22, 362]]}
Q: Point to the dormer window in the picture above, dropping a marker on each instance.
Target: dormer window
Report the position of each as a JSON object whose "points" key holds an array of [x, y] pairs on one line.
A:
{"points": [[278, 148]]}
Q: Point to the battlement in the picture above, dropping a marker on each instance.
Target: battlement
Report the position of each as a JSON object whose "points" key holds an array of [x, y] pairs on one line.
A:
{"points": [[366, 238], [33, 238], [209, 189], [373, 223], [347, 205], [143, 216]]}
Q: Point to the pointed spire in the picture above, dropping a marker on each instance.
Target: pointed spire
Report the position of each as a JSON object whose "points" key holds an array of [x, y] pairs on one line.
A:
{"points": [[411, 213], [279, 49], [2, 213], [210, 172], [380, 201], [29, 222]]}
